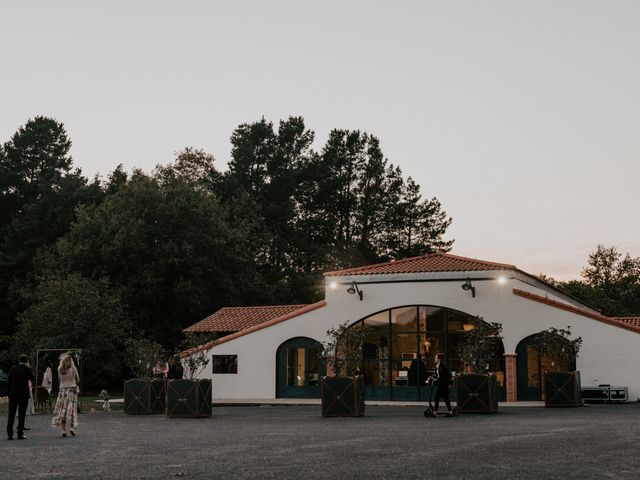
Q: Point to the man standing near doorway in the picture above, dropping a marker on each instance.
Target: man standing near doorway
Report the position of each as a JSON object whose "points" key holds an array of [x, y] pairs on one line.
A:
{"points": [[18, 383]]}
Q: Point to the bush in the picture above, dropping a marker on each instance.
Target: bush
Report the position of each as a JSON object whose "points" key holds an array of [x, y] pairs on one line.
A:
{"points": [[557, 344], [481, 344], [343, 350]]}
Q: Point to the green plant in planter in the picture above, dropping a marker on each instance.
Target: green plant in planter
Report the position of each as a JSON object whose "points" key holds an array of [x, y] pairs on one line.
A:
{"points": [[481, 344], [561, 388], [140, 356], [343, 350], [477, 392], [142, 395], [192, 397], [342, 394], [197, 361], [558, 345]]}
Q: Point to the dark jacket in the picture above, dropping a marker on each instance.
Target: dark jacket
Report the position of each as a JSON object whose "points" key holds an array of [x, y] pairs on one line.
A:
{"points": [[443, 375], [176, 371], [18, 382]]}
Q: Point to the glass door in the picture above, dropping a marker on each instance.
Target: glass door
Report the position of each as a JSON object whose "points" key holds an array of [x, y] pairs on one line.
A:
{"points": [[299, 369], [531, 368]]}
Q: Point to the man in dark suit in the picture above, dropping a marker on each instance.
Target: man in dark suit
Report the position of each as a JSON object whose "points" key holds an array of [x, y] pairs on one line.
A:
{"points": [[18, 384]]}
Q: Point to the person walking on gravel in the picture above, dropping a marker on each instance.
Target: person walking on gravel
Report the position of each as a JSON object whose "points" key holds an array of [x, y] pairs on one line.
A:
{"points": [[66, 412]]}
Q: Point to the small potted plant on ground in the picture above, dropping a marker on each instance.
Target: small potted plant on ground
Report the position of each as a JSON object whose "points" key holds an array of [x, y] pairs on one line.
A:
{"points": [[342, 392], [477, 387], [561, 387], [191, 397], [143, 394]]}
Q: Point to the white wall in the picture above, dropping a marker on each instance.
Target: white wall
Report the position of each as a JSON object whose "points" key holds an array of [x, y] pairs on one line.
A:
{"points": [[609, 354]]}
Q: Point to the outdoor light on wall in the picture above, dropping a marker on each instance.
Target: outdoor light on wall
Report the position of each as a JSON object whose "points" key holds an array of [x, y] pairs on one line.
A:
{"points": [[353, 288], [333, 285], [466, 286], [502, 280]]}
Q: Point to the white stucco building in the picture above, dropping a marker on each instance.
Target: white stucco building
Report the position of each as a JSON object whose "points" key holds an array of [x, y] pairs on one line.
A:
{"points": [[271, 352]]}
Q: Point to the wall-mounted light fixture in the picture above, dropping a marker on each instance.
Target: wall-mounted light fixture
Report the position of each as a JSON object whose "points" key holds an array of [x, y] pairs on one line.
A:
{"points": [[466, 286], [353, 288]]}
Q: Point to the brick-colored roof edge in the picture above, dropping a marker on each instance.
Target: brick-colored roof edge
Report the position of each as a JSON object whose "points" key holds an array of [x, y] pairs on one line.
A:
{"points": [[355, 270], [246, 331], [633, 321], [576, 310], [194, 327]]}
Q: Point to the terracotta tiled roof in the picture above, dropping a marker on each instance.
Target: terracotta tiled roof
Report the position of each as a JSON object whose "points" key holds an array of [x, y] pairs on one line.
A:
{"points": [[234, 319], [633, 321], [246, 331], [435, 262], [616, 321]]}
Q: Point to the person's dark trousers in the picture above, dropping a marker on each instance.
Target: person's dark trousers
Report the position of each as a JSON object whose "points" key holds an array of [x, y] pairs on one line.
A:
{"points": [[21, 407], [442, 392]]}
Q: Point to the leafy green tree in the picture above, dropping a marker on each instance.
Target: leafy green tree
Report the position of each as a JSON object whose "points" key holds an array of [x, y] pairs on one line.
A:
{"points": [[116, 179], [39, 193], [611, 282], [166, 249], [413, 226], [141, 355], [343, 349], [72, 311], [342, 207], [198, 358], [193, 166], [481, 344], [34, 161], [262, 186], [364, 209], [559, 346]]}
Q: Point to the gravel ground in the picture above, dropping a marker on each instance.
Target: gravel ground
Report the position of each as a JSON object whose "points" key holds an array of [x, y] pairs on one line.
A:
{"points": [[292, 442]]}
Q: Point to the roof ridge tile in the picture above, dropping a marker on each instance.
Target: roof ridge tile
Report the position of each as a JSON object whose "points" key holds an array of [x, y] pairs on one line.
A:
{"points": [[432, 262]]}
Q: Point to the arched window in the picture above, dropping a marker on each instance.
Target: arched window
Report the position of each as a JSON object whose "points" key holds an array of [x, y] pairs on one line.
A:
{"points": [[400, 347]]}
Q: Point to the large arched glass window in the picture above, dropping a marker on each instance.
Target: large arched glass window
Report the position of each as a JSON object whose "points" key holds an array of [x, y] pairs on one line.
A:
{"points": [[400, 347]]}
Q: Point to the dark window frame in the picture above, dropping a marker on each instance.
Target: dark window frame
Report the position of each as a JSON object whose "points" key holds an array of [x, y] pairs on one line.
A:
{"points": [[444, 332], [229, 365]]}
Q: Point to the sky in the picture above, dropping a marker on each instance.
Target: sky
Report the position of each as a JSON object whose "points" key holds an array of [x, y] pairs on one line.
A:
{"points": [[521, 117]]}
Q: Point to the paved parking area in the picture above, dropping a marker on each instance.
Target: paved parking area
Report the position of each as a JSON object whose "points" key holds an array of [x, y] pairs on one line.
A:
{"points": [[292, 442]]}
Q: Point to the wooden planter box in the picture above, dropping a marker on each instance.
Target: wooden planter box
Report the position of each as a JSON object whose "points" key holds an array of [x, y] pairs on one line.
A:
{"points": [[477, 393], [562, 389], [342, 396], [144, 397], [189, 398]]}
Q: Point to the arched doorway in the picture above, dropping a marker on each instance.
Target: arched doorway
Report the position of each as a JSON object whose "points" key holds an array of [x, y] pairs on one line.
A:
{"points": [[299, 369], [400, 347], [531, 365]]}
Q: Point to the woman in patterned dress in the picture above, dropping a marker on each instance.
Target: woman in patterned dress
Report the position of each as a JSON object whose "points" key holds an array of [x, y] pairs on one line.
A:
{"points": [[66, 411]]}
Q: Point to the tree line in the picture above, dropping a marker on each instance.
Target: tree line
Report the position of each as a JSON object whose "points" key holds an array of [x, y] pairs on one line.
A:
{"points": [[92, 262], [610, 283]]}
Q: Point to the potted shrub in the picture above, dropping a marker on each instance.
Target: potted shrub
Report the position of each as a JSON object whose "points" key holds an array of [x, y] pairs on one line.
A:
{"points": [[342, 392], [143, 394], [191, 397], [561, 387], [477, 387]]}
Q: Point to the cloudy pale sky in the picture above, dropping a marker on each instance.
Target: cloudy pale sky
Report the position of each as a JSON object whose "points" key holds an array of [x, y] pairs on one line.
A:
{"points": [[521, 117]]}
